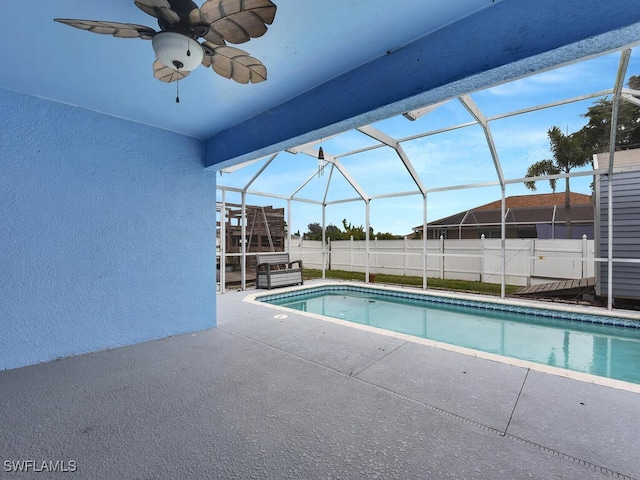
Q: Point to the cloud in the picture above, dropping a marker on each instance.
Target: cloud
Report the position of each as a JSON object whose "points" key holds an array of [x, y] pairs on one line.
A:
{"points": [[540, 83], [521, 136]]}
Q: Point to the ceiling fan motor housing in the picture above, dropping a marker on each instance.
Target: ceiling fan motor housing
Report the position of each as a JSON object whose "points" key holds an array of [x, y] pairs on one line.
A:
{"points": [[177, 51]]}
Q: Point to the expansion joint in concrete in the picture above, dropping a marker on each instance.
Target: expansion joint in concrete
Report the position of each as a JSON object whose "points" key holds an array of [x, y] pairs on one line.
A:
{"points": [[503, 434], [445, 413], [379, 359], [515, 405]]}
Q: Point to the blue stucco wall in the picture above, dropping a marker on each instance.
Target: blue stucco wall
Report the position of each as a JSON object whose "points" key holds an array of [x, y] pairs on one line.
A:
{"points": [[107, 232]]}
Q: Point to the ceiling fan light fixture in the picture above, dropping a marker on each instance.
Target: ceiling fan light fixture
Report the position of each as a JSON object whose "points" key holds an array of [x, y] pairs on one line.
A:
{"points": [[177, 51]]}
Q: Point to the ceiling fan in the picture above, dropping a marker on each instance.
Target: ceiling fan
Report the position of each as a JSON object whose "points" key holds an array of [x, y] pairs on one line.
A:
{"points": [[177, 46]]}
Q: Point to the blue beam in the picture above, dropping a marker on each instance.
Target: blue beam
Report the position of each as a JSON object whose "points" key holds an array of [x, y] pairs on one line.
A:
{"points": [[511, 39]]}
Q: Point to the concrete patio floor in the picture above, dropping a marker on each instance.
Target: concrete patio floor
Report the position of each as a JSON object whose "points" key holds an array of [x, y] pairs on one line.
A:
{"points": [[298, 397]]}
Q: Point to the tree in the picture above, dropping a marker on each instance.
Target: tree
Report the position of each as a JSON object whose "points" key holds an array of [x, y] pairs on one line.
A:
{"points": [[356, 232], [569, 151], [387, 236], [314, 233], [598, 131], [335, 233]]}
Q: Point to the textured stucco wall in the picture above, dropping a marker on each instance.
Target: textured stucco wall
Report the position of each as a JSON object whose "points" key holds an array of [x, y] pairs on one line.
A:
{"points": [[107, 232]]}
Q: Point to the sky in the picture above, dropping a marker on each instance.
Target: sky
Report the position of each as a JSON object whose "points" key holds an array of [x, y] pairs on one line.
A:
{"points": [[452, 158]]}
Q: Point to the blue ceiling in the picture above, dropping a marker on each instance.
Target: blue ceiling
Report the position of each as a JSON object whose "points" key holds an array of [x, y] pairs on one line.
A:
{"points": [[332, 65], [309, 43]]}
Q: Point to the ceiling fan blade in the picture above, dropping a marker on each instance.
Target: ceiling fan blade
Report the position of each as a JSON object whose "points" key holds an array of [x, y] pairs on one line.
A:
{"points": [[160, 9], [233, 63], [236, 21], [166, 74], [120, 30]]}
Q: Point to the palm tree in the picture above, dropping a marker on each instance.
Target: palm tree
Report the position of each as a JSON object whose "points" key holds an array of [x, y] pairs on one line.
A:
{"points": [[569, 151]]}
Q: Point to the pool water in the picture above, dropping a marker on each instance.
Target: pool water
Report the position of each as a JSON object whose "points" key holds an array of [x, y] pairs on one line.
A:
{"points": [[596, 345]]}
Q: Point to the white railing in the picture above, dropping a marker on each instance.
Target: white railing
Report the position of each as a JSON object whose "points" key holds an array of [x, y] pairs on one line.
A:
{"points": [[527, 261]]}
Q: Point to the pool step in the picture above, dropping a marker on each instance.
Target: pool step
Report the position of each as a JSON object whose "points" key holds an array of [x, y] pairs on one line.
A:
{"points": [[561, 288]]}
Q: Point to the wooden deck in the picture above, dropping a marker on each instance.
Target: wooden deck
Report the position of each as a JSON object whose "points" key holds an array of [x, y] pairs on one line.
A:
{"points": [[562, 288]]}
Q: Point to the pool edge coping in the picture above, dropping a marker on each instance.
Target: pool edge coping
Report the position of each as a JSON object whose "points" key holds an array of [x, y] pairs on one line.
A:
{"points": [[556, 371]]}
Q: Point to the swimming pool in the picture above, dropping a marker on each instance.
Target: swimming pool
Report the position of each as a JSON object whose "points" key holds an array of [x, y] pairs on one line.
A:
{"points": [[600, 345]]}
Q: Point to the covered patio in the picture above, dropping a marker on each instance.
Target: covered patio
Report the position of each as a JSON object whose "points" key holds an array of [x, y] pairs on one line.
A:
{"points": [[110, 185], [118, 359], [262, 396]]}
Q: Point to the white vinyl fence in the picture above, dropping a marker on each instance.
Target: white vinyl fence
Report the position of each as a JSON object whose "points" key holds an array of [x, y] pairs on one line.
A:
{"points": [[528, 261]]}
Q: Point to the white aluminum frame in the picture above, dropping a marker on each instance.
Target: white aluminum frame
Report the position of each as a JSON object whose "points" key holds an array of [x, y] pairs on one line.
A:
{"points": [[386, 141]]}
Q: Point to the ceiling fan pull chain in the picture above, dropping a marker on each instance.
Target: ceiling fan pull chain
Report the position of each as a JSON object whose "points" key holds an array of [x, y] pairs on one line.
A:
{"points": [[178, 90]]}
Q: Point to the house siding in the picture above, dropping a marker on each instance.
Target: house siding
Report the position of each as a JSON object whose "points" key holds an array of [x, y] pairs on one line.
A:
{"points": [[626, 234]]}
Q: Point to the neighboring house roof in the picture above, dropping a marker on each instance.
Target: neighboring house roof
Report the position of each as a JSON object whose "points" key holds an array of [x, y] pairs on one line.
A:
{"points": [[523, 209], [538, 200]]}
